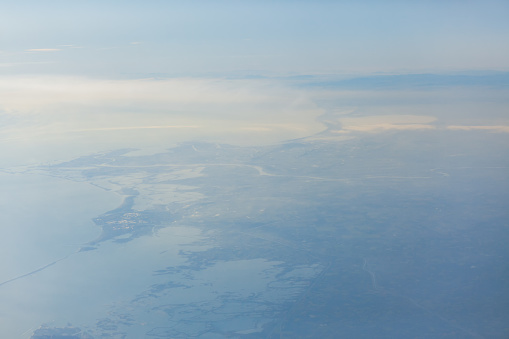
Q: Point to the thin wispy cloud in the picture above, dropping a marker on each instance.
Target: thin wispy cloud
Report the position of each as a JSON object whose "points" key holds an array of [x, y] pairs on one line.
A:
{"points": [[383, 123], [502, 128], [386, 127], [126, 128]]}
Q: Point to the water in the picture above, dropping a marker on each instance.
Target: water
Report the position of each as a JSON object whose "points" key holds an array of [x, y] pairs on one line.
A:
{"points": [[44, 221]]}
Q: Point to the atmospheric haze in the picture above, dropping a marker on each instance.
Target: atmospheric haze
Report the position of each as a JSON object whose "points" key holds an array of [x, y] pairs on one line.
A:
{"points": [[254, 169]]}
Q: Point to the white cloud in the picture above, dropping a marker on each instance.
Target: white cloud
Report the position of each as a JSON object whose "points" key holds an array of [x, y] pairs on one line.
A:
{"points": [[382, 123], [500, 128], [135, 127], [385, 127], [94, 114]]}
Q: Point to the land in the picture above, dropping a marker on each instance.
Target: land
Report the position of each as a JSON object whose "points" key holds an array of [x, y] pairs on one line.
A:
{"points": [[379, 235]]}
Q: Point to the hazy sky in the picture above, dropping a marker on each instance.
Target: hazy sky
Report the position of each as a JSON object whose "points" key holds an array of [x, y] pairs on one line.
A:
{"points": [[78, 77], [135, 38]]}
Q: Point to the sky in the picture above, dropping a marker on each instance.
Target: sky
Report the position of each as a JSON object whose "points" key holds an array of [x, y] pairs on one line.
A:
{"points": [[136, 38], [78, 77]]}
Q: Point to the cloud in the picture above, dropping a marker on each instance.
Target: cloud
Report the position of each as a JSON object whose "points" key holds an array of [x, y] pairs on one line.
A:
{"points": [[124, 128], [501, 128], [382, 123], [26, 95], [145, 112], [385, 127]]}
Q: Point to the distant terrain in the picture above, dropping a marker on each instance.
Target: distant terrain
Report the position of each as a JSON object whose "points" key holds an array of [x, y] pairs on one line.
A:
{"points": [[388, 236]]}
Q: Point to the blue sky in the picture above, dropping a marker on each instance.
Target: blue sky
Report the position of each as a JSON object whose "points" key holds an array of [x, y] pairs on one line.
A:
{"points": [[78, 77], [135, 38]]}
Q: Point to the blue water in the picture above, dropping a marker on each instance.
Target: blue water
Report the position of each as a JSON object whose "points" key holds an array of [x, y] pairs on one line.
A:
{"points": [[43, 221]]}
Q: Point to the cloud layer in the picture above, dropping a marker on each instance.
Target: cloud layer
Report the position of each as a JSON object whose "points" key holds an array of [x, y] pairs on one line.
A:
{"points": [[386, 122], [94, 114]]}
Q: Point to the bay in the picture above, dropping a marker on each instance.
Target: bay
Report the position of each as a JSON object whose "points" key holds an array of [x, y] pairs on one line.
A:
{"points": [[44, 221]]}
